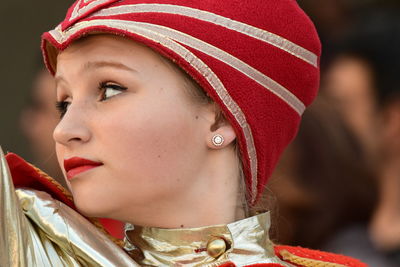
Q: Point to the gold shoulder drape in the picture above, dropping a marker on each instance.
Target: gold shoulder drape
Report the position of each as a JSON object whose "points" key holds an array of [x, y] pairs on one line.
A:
{"points": [[37, 230]]}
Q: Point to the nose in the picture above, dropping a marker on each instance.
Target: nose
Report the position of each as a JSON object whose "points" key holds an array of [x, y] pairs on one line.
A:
{"points": [[73, 127]]}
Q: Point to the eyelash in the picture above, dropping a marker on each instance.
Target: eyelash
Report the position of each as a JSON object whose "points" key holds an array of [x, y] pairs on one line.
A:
{"points": [[62, 106]]}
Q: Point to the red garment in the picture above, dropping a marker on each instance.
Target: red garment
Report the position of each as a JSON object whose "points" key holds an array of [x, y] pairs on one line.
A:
{"points": [[323, 258], [255, 265], [319, 255]]}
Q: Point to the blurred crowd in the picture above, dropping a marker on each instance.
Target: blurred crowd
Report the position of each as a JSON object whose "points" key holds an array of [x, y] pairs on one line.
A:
{"points": [[337, 187]]}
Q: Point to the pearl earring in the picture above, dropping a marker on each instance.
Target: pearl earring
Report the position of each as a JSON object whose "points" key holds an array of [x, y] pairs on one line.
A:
{"points": [[218, 140]]}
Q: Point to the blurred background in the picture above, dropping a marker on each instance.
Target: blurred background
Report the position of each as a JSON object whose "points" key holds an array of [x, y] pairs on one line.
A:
{"points": [[25, 117], [337, 187]]}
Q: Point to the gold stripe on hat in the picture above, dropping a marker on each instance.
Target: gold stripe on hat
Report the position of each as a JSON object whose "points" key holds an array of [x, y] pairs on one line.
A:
{"points": [[196, 63], [58, 34], [77, 12], [260, 34]]}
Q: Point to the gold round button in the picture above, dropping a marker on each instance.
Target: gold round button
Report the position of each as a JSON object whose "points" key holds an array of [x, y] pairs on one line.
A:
{"points": [[216, 247]]}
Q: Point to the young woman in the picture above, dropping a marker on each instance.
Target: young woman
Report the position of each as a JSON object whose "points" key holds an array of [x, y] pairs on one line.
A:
{"points": [[173, 115]]}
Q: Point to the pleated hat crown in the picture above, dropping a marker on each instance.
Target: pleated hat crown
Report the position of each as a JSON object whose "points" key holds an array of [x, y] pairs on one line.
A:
{"points": [[257, 59]]}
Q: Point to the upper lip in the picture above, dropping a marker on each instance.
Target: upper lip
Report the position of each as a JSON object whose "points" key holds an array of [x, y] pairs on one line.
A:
{"points": [[75, 162]]}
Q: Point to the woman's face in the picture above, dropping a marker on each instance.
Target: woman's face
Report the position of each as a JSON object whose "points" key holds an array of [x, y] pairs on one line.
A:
{"points": [[127, 110]]}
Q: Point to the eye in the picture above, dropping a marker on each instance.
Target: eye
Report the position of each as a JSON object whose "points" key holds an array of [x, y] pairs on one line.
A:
{"points": [[110, 89], [62, 107]]}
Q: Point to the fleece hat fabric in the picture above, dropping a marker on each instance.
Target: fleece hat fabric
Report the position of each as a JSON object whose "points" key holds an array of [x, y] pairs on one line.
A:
{"points": [[258, 59]]}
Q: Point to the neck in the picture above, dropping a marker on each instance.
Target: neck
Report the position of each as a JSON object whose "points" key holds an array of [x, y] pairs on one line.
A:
{"points": [[211, 200]]}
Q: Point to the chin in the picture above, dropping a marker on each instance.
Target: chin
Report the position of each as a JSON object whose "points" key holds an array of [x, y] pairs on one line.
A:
{"points": [[89, 209], [91, 203]]}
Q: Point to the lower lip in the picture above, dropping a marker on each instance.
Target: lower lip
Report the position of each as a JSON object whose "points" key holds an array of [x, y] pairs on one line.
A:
{"points": [[75, 171]]}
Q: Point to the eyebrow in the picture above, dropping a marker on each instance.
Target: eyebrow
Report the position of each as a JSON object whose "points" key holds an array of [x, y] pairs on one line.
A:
{"points": [[100, 64], [107, 64]]}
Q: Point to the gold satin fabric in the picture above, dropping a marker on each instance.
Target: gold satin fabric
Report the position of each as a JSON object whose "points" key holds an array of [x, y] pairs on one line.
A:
{"points": [[247, 243], [37, 230]]}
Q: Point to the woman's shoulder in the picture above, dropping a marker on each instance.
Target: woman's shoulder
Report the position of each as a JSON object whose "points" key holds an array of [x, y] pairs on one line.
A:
{"points": [[307, 257], [26, 175], [303, 257], [37, 218]]}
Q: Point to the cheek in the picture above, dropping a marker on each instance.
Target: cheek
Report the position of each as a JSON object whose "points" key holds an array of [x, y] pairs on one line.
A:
{"points": [[60, 152], [60, 155], [150, 143]]}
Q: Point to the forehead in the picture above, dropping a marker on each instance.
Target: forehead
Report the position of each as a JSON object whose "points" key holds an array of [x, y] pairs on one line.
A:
{"points": [[107, 48]]}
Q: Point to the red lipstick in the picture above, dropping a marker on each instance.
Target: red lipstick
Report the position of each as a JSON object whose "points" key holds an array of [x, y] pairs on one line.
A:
{"points": [[76, 165]]}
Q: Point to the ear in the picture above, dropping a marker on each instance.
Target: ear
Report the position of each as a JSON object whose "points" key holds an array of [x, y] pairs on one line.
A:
{"points": [[227, 133]]}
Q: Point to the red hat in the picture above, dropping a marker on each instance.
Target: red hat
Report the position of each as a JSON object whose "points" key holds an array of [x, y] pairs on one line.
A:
{"points": [[258, 59]]}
